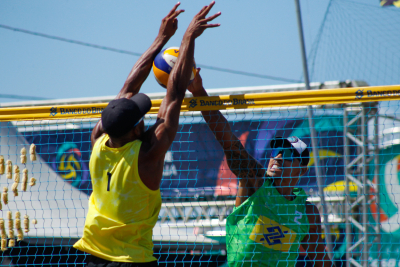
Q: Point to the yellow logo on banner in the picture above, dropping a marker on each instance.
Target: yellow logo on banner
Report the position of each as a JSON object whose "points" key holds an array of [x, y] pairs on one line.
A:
{"points": [[69, 165], [272, 235]]}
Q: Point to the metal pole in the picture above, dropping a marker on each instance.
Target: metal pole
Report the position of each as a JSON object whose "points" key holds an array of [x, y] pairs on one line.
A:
{"points": [[314, 141], [364, 125], [347, 208], [378, 182]]}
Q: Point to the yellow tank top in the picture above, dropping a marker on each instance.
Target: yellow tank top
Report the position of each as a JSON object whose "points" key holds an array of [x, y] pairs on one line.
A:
{"points": [[122, 210]]}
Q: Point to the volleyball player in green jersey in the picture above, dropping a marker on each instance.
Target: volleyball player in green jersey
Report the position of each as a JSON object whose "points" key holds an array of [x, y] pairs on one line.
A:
{"points": [[126, 163], [272, 218]]}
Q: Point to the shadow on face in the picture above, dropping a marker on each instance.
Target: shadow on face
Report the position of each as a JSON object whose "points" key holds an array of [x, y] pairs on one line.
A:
{"points": [[284, 168], [139, 130]]}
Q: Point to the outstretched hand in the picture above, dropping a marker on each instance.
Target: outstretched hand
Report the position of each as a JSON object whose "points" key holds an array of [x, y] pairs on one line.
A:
{"points": [[197, 84], [199, 22], [169, 24]]}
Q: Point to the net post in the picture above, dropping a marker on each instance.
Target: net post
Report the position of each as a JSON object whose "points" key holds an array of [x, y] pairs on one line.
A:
{"points": [[378, 183], [364, 151], [366, 143], [314, 141], [347, 189]]}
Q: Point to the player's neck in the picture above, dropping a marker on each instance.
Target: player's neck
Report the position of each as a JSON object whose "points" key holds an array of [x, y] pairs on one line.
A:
{"points": [[116, 143], [123, 140], [285, 187]]}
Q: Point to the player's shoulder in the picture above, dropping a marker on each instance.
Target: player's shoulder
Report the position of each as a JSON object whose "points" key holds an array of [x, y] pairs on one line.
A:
{"points": [[98, 140], [145, 154], [145, 146]]}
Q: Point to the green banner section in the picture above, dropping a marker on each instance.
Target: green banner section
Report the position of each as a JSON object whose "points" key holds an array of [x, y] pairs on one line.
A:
{"points": [[389, 208]]}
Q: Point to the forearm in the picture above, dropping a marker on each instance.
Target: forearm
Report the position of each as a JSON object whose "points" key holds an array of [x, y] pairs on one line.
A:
{"points": [[239, 161], [217, 123], [180, 74], [142, 68], [177, 83]]}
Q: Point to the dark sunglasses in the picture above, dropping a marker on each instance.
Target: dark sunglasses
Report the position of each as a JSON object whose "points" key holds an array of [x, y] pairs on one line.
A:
{"points": [[287, 153]]}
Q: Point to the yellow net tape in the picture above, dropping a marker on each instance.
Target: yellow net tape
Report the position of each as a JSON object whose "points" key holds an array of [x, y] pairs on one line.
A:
{"points": [[246, 101]]}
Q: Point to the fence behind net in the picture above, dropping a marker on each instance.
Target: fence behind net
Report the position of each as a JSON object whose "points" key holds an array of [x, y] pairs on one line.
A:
{"points": [[358, 138]]}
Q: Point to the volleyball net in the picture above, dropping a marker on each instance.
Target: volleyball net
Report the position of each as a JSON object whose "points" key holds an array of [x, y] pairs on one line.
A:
{"points": [[45, 187]]}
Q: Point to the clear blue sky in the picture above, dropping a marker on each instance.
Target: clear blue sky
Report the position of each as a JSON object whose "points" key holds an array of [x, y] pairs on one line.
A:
{"points": [[255, 36]]}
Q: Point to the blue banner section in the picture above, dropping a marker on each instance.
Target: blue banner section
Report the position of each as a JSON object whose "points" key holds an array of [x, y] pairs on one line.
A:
{"points": [[67, 152], [195, 165]]}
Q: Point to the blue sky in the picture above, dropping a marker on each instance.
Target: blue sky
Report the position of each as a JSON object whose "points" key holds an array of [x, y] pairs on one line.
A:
{"points": [[255, 36]]}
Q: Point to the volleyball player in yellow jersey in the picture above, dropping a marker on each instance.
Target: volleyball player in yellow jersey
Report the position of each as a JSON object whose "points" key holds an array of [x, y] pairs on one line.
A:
{"points": [[126, 164]]}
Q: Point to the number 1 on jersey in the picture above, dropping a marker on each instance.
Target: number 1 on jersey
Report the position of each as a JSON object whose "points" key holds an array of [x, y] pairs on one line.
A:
{"points": [[109, 180]]}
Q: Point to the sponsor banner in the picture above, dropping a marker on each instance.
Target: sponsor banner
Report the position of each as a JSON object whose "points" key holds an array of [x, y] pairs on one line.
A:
{"points": [[247, 101], [76, 111], [295, 98], [195, 165], [52, 112]]}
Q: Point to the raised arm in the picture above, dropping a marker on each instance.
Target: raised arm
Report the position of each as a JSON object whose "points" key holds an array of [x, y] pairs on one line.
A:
{"points": [[164, 131], [142, 67], [313, 243], [249, 171]]}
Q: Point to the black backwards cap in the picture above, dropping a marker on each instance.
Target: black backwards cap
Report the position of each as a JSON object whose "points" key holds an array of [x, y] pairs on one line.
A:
{"points": [[123, 114], [298, 146]]}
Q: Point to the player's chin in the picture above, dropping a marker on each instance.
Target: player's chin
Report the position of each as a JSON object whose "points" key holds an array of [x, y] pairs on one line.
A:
{"points": [[274, 172]]}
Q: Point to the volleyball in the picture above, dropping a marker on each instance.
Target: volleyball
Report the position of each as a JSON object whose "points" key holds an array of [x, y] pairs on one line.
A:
{"points": [[163, 64]]}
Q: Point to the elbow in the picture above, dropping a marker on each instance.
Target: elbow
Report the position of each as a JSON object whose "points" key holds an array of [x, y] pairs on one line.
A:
{"points": [[178, 80], [177, 87]]}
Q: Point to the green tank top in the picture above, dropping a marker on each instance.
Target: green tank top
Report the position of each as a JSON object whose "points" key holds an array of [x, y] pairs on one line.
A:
{"points": [[266, 230]]}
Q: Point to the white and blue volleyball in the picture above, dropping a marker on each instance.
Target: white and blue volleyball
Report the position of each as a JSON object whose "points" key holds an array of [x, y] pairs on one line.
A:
{"points": [[163, 64]]}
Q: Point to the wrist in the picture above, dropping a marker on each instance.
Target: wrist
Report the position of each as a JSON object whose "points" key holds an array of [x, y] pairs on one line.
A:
{"points": [[188, 36], [200, 92], [162, 39]]}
